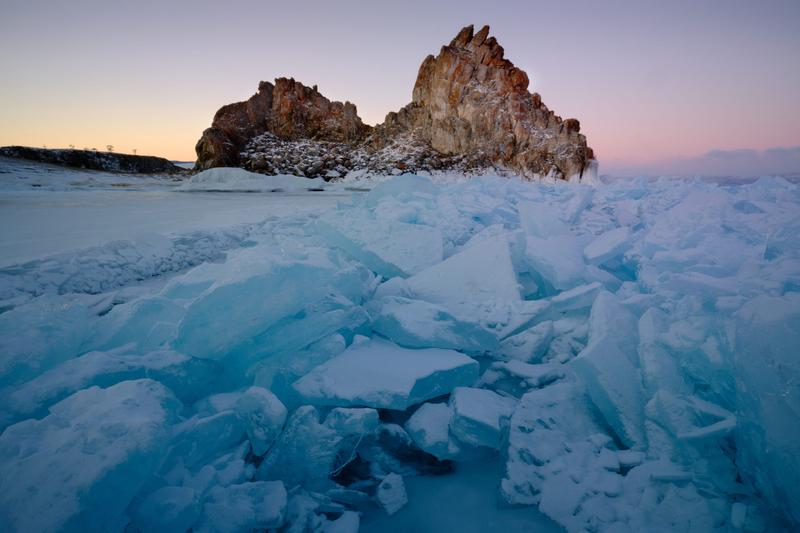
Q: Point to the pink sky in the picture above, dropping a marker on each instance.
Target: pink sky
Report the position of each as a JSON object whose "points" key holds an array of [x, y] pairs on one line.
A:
{"points": [[649, 81]]}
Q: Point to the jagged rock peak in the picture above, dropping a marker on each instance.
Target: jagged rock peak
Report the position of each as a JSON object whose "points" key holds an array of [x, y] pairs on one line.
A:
{"points": [[469, 99]]}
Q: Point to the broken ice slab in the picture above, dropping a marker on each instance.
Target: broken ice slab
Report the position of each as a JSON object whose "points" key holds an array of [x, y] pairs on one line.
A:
{"points": [[607, 246], [541, 430], [80, 466], [614, 387], [540, 219], [389, 248], [690, 418], [202, 438], [482, 272], [250, 506], [39, 335], [530, 345], [558, 260], [278, 372], [306, 451], [257, 289], [184, 375], [429, 427], [378, 373], [263, 415], [480, 416], [608, 368], [516, 377], [766, 367], [419, 324]]}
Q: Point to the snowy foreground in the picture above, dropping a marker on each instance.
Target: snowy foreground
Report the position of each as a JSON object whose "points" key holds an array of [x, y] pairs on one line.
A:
{"points": [[490, 355]]}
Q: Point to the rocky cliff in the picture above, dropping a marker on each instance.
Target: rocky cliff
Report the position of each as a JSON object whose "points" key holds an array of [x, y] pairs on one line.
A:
{"points": [[470, 111]]}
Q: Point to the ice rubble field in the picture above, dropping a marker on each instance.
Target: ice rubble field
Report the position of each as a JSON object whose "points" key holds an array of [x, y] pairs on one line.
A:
{"points": [[626, 354]]}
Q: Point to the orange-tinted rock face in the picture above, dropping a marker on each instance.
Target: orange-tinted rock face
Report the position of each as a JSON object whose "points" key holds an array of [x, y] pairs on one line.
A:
{"points": [[470, 107], [471, 100]]}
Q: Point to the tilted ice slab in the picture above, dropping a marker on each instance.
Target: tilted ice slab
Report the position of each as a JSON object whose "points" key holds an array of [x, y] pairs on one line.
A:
{"points": [[307, 449], [607, 246], [389, 248], [766, 361], [420, 324], [480, 416], [429, 427], [184, 375], [378, 373], [78, 467], [482, 272], [608, 367], [559, 260], [37, 336], [213, 309]]}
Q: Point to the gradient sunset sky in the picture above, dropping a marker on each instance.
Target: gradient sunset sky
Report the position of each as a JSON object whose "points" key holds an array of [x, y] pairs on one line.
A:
{"points": [[652, 82]]}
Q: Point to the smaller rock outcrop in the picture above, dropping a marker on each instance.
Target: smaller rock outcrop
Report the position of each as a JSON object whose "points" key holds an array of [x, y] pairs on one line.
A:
{"points": [[287, 110]]}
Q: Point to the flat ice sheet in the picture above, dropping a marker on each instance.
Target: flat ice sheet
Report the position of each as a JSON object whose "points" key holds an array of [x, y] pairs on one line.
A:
{"points": [[36, 224]]}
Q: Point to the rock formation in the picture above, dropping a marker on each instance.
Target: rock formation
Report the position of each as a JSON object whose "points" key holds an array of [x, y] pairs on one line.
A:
{"points": [[470, 111], [288, 110]]}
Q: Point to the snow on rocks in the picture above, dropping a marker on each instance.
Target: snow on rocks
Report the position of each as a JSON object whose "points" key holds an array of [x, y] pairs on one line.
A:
{"points": [[378, 373]]}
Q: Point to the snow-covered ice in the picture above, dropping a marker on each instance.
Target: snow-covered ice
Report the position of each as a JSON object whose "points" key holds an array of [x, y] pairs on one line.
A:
{"points": [[481, 355]]}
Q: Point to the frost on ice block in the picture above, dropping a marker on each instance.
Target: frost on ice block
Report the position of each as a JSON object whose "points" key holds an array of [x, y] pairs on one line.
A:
{"points": [[380, 374], [79, 467], [246, 507], [429, 427], [480, 416]]}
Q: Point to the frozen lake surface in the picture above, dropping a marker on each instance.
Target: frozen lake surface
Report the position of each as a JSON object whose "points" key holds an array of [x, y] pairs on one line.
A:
{"points": [[482, 355]]}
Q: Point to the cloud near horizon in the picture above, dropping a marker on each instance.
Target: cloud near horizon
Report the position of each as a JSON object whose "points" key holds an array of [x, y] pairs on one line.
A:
{"points": [[743, 162]]}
